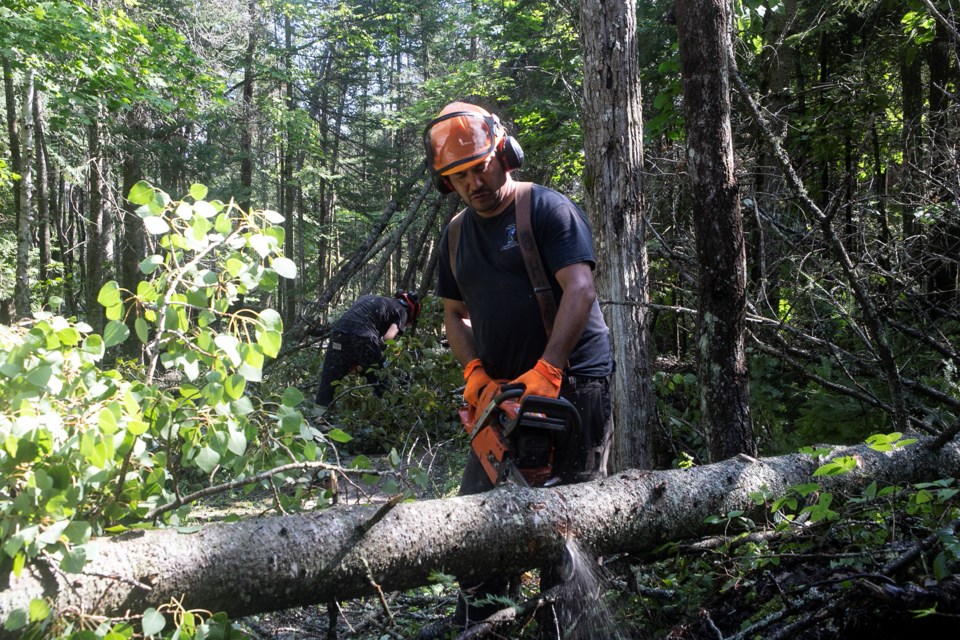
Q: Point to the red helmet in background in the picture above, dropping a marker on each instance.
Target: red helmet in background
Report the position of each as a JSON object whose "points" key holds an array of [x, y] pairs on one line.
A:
{"points": [[412, 300]]}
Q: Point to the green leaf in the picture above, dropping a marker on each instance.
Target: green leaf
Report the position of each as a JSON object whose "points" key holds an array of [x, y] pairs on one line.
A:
{"points": [[39, 610], [93, 345], [149, 264], [338, 435], [234, 386], [16, 620], [153, 622], [137, 427], [114, 333], [198, 191], [242, 406], [222, 224], [109, 295], [207, 459], [74, 559], [115, 312], [270, 342], [361, 462], [237, 442], [260, 244], [228, 344], [292, 397], [156, 225], [40, 376], [285, 267], [19, 561], [51, 535], [143, 330], [69, 336], [140, 193], [204, 209], [270, 320], [78, 532], [234, 266]]}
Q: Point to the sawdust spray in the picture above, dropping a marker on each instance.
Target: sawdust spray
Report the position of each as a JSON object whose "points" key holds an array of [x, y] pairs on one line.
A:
{"points": [[582, 610]]}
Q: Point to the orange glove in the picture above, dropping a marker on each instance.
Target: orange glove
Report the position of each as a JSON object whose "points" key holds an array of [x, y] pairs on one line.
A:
{"points": [[489, 392], [477, 381], [543, 380]]}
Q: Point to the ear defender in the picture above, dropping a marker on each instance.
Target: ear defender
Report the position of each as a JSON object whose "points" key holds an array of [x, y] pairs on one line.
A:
{"points": [[510, 154], [442, 184]]}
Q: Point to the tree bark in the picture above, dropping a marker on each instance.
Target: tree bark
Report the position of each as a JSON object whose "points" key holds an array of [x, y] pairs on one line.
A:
{"points": [[133, 243], [613, 142], [274, 563], [99, 254], [21, 291], [13, 131], [246, 116], [43, 199], [703, 29]]}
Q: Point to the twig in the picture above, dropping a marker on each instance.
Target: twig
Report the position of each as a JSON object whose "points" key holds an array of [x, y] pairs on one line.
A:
{"points": [[376, 587], [393, 501]]}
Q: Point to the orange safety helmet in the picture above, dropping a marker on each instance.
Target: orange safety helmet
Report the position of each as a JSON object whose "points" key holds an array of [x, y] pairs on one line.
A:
{"points": [[464, 135]]}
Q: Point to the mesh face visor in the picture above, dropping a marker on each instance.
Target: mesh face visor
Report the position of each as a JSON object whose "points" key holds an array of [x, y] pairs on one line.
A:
{"points": [[458, 140]]}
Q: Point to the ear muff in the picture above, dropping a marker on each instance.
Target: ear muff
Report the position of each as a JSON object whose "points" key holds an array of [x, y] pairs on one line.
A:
{"points": [[510, 154], [442, 184]]}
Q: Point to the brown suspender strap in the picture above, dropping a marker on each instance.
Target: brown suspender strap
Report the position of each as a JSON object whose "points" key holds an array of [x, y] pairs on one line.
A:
{"points": [[528, 248], [531, 258]]}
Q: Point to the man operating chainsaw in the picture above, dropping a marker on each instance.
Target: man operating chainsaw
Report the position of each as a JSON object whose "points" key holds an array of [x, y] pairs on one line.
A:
{"points": [[520, 308]]}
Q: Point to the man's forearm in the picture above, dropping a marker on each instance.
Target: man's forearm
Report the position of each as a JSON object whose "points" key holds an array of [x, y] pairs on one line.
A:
{"points": [[579, 295], [459, 335]]}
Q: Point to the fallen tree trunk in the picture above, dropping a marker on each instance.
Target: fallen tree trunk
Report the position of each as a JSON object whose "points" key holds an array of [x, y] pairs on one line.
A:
{"points": [[279, 562]]}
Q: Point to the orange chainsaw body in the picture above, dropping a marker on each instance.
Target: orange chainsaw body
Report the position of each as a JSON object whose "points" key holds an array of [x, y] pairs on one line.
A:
{"points": [[516, 440]]}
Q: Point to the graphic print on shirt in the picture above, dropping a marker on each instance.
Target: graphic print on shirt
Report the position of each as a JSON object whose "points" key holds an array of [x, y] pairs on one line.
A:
{"points": [[511, 238]]}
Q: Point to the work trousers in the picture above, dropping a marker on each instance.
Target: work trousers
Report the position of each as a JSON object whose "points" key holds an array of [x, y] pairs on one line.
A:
{"points": [[348, 353], [580, 457]]}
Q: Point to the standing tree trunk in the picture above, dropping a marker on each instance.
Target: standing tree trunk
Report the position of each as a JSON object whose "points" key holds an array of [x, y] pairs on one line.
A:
{"points": [[246, 114], [613, 141], [21, 291], [99, 254], [43, 199], [288, 187], [133, 241], [911, 179], [702, 27]]}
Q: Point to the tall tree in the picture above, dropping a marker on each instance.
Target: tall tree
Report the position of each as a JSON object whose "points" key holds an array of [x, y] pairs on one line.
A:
{"points": [[703, 28], [247, 110], [21, 295], [613, 141]]}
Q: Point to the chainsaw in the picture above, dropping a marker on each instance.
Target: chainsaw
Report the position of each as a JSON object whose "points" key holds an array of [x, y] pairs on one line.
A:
{"points": [[516, 439]]}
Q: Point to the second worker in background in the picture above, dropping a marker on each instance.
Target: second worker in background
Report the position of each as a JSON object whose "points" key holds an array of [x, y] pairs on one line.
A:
{"points": [[358, 338], [492, 317]]}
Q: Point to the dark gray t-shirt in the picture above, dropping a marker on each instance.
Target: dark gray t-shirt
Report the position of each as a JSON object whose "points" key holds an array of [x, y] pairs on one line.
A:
{"points": [[370, 316], [492, 281]]}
